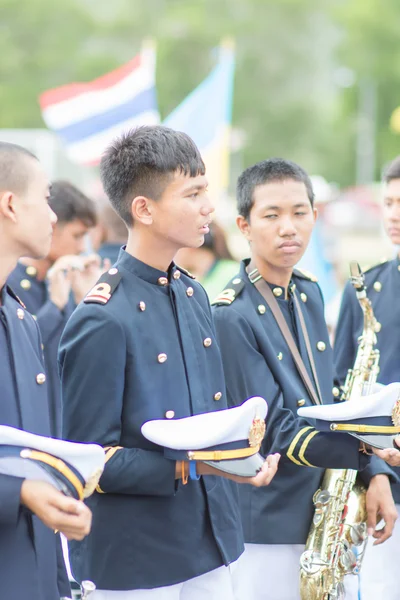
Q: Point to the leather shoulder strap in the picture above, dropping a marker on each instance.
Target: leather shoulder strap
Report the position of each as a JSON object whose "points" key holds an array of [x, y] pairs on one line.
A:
{"points": [[265, 291]]}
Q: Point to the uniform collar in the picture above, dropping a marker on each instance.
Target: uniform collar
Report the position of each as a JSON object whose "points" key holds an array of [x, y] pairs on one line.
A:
{"points": [[144, 271], [277, 290]]}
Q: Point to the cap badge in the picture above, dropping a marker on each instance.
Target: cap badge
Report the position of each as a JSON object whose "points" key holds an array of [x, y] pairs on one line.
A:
{"points": [[92, 482], [257, 432], [396, 413]]}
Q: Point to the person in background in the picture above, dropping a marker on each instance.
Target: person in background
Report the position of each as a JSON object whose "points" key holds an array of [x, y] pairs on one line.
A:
{"points": [[111, 233], [212, 264], [276, 216], [31, 564], [52, 286], [379, 571]]}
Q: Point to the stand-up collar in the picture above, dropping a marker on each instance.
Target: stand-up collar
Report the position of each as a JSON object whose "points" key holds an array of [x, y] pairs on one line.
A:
{"points": [[144, 271]]}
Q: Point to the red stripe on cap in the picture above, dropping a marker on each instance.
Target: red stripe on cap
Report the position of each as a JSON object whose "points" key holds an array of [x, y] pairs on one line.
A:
{"points": [[66, 92]]}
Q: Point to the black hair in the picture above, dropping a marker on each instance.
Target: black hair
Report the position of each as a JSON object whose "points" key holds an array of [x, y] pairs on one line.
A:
{"points": [[70, 204], [14, 175], [392, 171], [268, 171], [142, 163]]}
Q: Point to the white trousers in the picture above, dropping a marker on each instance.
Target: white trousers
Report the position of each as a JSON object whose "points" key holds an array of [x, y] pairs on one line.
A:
{"points": [[271, 572], [215, 585], [379, 576]]}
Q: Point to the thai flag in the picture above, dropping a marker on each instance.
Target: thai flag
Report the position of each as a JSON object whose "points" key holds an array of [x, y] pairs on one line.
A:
{"points": [[88, 116]]}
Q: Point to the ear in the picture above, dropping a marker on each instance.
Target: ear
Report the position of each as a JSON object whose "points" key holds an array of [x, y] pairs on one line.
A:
{"points": [[315, 213], [7, 206], [244, 226], [141, 210]]}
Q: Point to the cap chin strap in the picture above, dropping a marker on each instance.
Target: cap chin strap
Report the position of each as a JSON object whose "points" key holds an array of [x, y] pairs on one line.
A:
{"points": [[223, 454], [365, 428], [57, 464]]}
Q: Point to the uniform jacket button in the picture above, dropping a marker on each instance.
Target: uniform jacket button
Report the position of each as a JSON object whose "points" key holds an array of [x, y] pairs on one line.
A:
{"points": [[31, 271], [321, 346], [40, 378], [162, 281], [20, 313], [335, 392], [301, 402], [162, 357], [25, 284], [142, 306], [169, 414], [261, 309], [189, 291], [377, 286], [218, 396], [277, 291], [176, 274], [207, 342], [303, 296]]}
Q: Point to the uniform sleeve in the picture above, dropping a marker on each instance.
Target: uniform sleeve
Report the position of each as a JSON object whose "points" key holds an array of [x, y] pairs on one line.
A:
{"points": [[10, 499], [49, 318], [247, 374], [92, 367], [344, 349]]}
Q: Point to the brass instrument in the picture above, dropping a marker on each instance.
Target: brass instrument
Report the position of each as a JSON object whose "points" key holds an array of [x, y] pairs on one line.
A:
{"points": [[338, 536]]}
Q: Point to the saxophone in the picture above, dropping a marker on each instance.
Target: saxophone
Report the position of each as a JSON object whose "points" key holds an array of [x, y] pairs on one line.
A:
{"points": [[338, 536]]}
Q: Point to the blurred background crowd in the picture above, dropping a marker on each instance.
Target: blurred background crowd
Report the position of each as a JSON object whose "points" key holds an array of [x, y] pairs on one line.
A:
{"points": [[314, 81]]}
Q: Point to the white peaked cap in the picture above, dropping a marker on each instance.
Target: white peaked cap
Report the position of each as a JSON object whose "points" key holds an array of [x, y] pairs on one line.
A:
{"points": [[86, 459], [208, 429], [379, 404], [243, 424]]}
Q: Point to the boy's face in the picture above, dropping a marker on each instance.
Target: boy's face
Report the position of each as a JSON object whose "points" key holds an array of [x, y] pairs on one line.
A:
{"points": [[183, 213], [34, 220], [280, 223], [68, 238], [391, 210]]}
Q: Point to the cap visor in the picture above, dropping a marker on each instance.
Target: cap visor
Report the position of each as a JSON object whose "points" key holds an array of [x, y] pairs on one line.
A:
{"points": [[243, 467], [378, 441]]}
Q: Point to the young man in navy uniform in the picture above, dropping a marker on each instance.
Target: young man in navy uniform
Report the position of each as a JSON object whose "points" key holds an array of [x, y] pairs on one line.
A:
{"points": [[141, 347], [52, 286], [379, 574], [276, 216], [31, 563]]}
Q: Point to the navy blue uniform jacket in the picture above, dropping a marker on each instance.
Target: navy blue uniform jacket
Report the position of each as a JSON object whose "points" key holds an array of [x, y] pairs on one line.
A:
{"points": [[31, 564], [142, 356], [257, 361], [383, 289], [51, 321]]}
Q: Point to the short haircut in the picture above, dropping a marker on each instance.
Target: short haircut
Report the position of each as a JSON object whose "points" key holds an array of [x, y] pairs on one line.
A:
{"points": [[268, 171], [392, 171], [70, 204], [143, 161], [14, 174]]}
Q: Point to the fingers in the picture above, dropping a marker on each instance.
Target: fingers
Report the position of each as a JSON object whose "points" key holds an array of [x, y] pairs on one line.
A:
{"points": [[66, 503], [390, 455], [74, 525], [371, 517], [381, 535], [268, 471]]}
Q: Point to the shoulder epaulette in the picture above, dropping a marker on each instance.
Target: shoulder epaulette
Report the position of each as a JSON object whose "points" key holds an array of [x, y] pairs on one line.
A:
{"points": [[13, 295], [304, 274], [104, 288], [185, 272], [230, 293], [368, 268]]}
